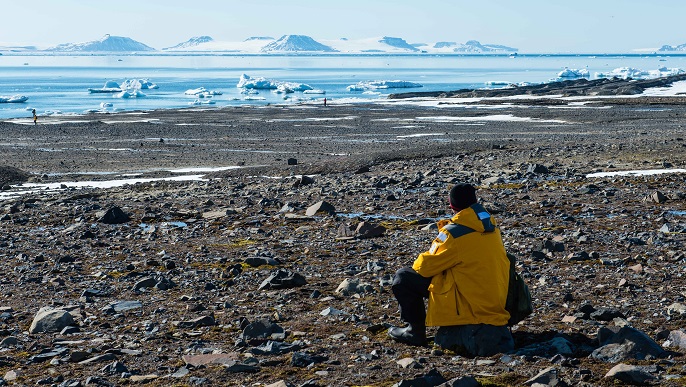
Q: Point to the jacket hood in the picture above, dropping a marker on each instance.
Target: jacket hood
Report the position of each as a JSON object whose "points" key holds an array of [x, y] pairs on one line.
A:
{"points": [[475, 217]]}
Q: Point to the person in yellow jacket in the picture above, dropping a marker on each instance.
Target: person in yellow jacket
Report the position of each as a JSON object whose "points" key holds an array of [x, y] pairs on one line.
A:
{"points": [[465, 276]]}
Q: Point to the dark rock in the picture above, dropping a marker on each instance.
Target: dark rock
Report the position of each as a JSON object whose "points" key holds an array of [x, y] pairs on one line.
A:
{"points": [[431, 379], [263, 330], [547, 377], [366, 230], [302, 359], [275, 348], [628, 343], [114, 215], [283, 279], [236, 367], [292, 161], [606, 314], [537, 168], [320, 207], [204, 321], [630, 374]]}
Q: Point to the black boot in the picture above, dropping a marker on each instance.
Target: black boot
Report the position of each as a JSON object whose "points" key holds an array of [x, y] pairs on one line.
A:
{"points": [[413, 334]]}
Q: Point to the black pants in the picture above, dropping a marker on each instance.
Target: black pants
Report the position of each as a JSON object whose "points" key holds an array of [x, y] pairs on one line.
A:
{"points": [[410, 289]]}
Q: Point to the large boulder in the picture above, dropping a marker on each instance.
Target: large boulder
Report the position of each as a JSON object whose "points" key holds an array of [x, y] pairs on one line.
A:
{"points": [[50, 320], [628, 343]]}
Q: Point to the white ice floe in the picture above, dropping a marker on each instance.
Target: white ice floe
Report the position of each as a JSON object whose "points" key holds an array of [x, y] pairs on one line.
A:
{"points": [[640, 172], [105, 105], [573, 73], [13, 99], [374, 85], [247, 82], [110, 87], [130, 94], [633, 73], [201, 92], [202, 101], [314, 91], [141, 84]]}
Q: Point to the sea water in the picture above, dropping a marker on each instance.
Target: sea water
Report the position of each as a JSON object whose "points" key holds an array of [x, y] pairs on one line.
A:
{"points": [[58, 84]]}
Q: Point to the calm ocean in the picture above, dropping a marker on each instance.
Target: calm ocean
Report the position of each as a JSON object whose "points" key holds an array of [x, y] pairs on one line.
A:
{"points": [[59, 84]]}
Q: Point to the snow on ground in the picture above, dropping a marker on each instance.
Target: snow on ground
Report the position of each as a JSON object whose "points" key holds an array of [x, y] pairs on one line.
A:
{"points": [[675, 89], [644, 172]]}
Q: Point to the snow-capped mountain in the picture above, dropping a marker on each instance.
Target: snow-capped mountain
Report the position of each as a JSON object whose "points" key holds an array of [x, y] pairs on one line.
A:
{"points": [[398, 43], [296, 43], [681, 47], [471, 47], [192, 42], [107, 43]]}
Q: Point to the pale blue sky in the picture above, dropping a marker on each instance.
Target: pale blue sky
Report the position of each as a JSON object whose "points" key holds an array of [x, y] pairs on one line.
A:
{"points": [[595, 26]]}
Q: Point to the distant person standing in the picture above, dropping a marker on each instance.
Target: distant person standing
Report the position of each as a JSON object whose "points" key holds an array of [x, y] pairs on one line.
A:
{"points": [[324, 101], [35, 117]]}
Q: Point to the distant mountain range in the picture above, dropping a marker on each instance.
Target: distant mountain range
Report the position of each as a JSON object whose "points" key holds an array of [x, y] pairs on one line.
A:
{"points": [[681, 47], [286, 44]]}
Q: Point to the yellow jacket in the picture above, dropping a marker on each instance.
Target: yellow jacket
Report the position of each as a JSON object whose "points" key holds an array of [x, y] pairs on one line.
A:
{"points": [[470, 271]]}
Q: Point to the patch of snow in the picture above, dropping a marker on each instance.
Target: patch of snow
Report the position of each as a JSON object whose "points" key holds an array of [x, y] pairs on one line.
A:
{"points": [[645, 172]]}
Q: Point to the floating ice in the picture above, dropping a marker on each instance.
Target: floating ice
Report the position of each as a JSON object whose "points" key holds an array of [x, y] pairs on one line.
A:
{"points": [[138, 84], [13, 99], [130, 94], [110, 87], [247, 82], [314, 91], [105, 105], [202, 102], [367, 85], [201, 92], [573, 74], [633, 73]]}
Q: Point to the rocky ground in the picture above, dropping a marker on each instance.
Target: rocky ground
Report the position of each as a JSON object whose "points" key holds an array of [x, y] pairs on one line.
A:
{"points": [[261, 276]]}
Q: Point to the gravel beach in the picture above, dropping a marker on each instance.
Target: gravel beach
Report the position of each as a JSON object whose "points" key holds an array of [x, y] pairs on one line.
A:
{"points": [[271, 264]]}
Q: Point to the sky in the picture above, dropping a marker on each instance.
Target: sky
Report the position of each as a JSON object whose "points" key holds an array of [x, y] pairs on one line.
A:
{"points": [[583, 26]]}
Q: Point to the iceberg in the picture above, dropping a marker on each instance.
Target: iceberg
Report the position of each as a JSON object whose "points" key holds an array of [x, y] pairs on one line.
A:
{"points": [[573, 74], [373, 85], [110, 87], [130, 94], [314, 91], [141, 84], [201, 92], [13, 99], [633, 73], [246, 82]]}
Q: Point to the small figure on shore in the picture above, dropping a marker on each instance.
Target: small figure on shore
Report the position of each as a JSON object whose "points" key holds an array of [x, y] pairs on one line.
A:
{"points": [[324, 101], [465, 276], [35, 117]]}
